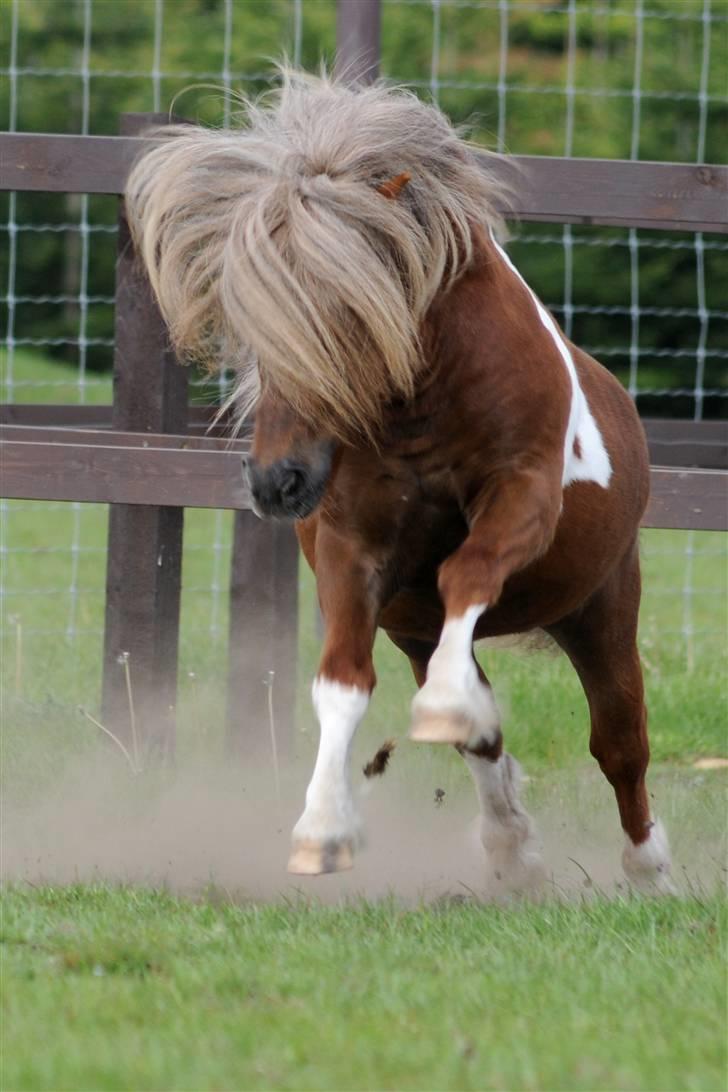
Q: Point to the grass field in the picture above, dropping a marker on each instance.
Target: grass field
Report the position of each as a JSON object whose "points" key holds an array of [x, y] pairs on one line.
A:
{"points": [[130, 989], [211, 971]]}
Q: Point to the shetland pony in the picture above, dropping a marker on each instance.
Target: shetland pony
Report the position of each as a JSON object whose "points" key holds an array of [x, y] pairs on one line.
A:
{"points": [[457, 468]]}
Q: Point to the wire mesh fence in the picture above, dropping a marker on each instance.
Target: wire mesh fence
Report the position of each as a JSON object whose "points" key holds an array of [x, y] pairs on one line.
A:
{"points": [[644, 80]]}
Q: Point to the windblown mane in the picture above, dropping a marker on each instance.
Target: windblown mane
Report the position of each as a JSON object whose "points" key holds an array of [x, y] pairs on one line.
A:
{"points": [[271, 245]]}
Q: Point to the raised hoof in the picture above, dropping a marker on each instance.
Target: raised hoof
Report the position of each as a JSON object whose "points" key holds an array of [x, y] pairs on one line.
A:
{"points": [[317, 858], [453, 728]]}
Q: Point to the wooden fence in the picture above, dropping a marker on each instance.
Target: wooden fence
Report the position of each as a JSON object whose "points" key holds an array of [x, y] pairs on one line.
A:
{"points": [[150, 455]]}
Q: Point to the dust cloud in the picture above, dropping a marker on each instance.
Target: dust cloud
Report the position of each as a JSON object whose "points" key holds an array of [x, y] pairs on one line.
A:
{"points": [[220, 825]]}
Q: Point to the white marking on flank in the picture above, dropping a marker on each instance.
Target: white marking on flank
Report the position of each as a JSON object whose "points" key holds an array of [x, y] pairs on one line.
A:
{"points": [[329, 812], [453, 687], [593, 464]]}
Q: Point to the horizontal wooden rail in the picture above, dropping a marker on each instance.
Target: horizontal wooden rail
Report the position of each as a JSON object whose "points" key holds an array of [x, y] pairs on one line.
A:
{"points": [[672, 442], [205, 472], [200, 419], [694, 500], [102, 437], [618, 192], [121, 468], [675, 196], [675, 442]]}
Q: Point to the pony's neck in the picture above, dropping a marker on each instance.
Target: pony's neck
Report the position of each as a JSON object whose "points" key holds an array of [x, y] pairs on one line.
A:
{"points": [[465, 329]]}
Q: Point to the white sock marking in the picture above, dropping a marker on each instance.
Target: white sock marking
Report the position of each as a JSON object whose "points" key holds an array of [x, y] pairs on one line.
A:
{"points": [[647, 865], [330, 812], [593, 464], [453, 686], [506, 831]]}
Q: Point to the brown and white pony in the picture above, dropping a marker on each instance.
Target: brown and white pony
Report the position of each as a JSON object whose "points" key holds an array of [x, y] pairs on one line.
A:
{"points": [[457, 468]]}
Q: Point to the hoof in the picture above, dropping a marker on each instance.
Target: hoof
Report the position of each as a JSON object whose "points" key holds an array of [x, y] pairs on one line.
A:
{"points": [[310, 858], [513, 860], [427, 727], [523, 875], [647, 864], [657, 882]]}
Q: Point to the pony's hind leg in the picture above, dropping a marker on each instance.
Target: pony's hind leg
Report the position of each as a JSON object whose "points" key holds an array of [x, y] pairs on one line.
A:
{"points": [[512, 850], [601, 642]]}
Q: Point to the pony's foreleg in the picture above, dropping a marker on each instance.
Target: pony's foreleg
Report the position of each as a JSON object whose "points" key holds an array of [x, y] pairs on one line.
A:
{"points": [[327, 834], [455, 705]]}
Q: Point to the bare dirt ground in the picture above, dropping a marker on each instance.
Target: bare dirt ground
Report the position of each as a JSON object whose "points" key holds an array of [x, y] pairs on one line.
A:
{"points": [[222, 826]]}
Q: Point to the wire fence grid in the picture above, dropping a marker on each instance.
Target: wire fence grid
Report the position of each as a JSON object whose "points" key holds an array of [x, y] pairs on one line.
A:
{"points": [[651, 305]]}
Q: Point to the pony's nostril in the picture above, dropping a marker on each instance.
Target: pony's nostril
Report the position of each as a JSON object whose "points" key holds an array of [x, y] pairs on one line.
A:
{"points": [[291, 483]]}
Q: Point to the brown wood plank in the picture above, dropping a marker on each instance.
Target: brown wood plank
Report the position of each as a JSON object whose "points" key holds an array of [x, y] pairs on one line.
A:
{"points": [[211, 477], [689, 499], [672, 442], [673, 196], [42, 414], [687, 443], [61, 163], [263, 636], [677, 196], [144, 555], [46, 414], [108, 437], [122, 475]]}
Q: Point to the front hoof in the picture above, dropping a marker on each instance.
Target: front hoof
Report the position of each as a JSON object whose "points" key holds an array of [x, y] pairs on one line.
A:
{"points": [[309, 858], [443, 727]]}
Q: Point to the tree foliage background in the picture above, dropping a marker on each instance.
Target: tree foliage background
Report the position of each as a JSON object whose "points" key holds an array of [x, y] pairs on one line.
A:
{"points": [[50, 98]]}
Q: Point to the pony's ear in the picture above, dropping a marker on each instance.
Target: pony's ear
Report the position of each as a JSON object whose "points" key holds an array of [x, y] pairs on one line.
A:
{"points": [[392, 188]]}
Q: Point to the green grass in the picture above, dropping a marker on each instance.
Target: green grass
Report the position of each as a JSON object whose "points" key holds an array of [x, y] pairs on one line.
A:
{"points": [[129, 988], [35, 377]]}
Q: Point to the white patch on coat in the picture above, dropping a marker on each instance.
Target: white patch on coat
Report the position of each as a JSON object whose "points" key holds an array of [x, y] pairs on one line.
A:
{"points": [[592, 464], [647, 865], [330, 814], [453, 687], [513, 853]]}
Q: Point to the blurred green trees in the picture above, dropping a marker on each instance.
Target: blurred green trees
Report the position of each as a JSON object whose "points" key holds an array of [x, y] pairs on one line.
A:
{"points": [[677, 104]]}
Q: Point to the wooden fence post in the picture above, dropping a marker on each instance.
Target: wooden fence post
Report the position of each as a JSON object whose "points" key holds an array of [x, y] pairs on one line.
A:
{"points": [[263, 639], [358, 24], [144, 562]]}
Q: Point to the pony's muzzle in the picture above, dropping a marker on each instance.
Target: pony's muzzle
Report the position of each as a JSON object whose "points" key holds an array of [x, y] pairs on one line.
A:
{"points": [[288, 488]]}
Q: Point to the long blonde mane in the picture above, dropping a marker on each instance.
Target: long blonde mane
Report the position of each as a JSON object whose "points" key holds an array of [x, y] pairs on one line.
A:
{"points": [[270, 248]]}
